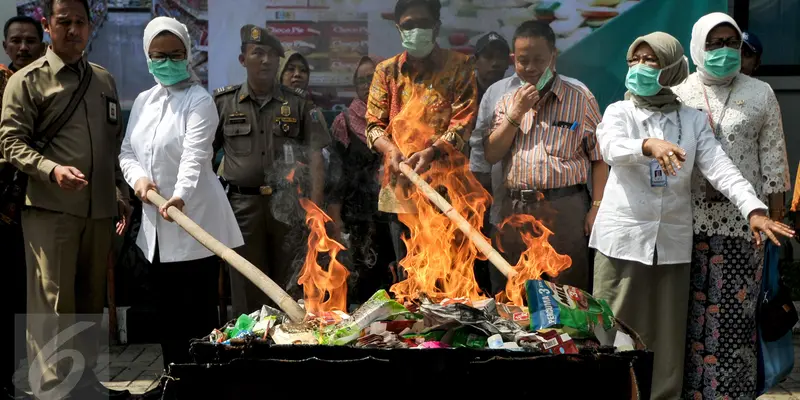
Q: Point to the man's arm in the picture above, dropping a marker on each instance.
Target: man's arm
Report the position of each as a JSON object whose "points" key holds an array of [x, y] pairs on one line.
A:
{"points": [[16, 129], [377, 110], [499, 140], [464, 109], [123, 190], [599, 168]]}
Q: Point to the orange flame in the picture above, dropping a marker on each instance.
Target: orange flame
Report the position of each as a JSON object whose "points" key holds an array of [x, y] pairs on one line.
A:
{"points": [[538, 258], [440, 258], [323, 290]]}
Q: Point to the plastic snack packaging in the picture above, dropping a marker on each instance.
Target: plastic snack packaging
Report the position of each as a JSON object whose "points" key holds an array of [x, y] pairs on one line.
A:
{"points": [[566, 307]]}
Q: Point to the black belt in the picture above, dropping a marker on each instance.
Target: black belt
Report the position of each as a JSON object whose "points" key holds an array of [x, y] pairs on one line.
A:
{"points": [[533, 196], [251, 191]]}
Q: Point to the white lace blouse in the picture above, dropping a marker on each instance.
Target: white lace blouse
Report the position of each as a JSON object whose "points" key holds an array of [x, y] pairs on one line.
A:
{"points": [[751, 133]]}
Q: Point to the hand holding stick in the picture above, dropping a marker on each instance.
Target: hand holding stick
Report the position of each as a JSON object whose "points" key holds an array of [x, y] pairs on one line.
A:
{"points": [[269, 287], [474, 235]]}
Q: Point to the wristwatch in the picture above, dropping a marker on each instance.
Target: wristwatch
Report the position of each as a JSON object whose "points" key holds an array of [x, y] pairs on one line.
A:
{"points": [[596, 203]]}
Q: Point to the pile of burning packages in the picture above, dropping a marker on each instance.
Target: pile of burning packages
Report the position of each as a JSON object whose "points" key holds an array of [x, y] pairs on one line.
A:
{"points": [[558, 320]]}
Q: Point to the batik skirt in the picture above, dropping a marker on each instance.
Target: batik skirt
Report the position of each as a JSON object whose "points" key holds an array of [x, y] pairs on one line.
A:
{"points": [[721, 358]]}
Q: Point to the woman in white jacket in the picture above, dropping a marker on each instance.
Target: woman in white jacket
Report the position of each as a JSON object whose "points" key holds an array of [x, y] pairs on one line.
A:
{"points": [[168, 147], [643, 230]]}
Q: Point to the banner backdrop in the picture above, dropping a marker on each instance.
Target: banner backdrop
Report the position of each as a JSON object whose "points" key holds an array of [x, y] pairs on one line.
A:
{"points": [[592, 35]]}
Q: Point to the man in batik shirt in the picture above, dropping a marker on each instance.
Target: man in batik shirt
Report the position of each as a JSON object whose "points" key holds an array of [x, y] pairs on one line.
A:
{"points": [[424, 75]]}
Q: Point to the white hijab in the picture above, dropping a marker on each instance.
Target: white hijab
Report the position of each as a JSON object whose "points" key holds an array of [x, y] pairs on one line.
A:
{"points": [[697, 47], [172, 25]]}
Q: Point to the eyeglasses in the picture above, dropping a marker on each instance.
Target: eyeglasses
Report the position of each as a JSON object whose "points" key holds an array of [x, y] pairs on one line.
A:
{"points": [[647, 59], [364, 80], [418, 24], [163, 57], [732, 42]]}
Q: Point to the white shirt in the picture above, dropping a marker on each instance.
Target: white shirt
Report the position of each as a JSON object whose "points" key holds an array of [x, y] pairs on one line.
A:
{"points": [[169, 140], [751, 134], [635, 218]]}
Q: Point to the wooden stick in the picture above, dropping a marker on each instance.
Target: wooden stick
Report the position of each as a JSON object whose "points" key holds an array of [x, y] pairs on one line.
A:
{"points": [[262, 281], [474, 235]]}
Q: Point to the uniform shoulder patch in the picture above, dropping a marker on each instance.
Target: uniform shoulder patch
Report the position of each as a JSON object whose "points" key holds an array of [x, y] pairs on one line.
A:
{"points": [[98, 66], [296, 91], [225, 89]]}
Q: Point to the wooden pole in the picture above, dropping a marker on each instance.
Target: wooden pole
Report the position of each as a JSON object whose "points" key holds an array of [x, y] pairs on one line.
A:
{"points": [[473, 234], [258, 278]]}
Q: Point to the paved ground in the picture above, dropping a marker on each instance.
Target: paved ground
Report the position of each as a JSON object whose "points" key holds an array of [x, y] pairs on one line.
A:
{"points": [[137, 368]]}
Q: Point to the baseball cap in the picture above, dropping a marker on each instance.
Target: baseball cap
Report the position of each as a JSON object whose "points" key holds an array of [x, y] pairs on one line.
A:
{"points": [[491, 38], [752, 42]]}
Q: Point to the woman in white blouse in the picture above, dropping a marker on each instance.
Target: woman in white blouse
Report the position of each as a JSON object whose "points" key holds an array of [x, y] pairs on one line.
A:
{"points": [[643, 230], [726, 265], [168, 146]]}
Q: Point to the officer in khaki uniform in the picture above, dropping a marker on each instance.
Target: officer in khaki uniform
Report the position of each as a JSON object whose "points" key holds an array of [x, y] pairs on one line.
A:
{"points": [[265, 131], [75, 192]]}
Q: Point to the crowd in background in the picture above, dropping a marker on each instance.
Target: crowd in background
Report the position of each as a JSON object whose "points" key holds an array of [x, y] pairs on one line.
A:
{"points": [[663, 202]]}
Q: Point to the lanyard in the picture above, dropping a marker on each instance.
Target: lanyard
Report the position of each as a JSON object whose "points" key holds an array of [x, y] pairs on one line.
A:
{"points": [[717, 128]]}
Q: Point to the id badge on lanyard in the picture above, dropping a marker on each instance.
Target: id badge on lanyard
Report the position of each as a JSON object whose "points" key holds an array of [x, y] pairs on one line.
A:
{"points": [[658, 178]]}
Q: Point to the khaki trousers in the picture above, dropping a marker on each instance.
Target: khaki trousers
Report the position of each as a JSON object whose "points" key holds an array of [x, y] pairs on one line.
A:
{"points": [[653, 301], [67, 261], [264, 239]]}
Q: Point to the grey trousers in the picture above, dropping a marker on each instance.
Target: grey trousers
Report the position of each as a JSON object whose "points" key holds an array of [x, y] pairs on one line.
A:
{"points": [[565, 217], [653, 301]]}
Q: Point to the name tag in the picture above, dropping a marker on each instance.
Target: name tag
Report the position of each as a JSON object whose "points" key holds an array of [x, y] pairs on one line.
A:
{"points": [[112, 115], [286, 120], [657, 176], [237, 118], [288, 154]]}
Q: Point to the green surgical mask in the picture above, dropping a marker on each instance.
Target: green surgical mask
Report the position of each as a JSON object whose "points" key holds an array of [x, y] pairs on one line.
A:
{"points": [[547, 75], [723, 62], [168, 72], [418, 42], [644, 80]]}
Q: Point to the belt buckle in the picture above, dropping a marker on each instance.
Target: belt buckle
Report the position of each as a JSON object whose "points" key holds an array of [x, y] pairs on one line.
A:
{"points": [[530, 196], [265, 190]]}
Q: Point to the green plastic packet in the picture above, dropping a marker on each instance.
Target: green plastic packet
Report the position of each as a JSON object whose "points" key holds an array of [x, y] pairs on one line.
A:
{"points": [[566, 307], [243, 323], [465, 337], [379, 307]]}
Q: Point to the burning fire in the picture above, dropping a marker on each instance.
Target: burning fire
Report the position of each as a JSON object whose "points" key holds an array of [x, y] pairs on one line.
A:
{"points": [[323, 290], [440, 258], [539, 257]]}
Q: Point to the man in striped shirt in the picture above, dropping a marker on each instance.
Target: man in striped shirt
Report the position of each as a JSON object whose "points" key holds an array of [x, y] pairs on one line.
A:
{"points": [[544, 134]]}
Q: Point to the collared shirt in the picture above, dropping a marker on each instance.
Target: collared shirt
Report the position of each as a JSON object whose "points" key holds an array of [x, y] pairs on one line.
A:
{"points": [[90, 140], [169, 141], [635, 218], [257, 135], [446, 81], [477, 161], [556, 143]]}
